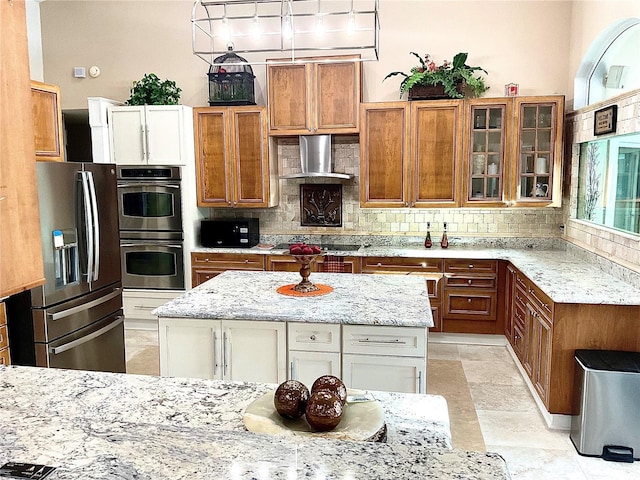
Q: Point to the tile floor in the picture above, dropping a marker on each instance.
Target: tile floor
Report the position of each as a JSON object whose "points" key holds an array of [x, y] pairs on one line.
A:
{"points": [[512, 425], [509, 419]]}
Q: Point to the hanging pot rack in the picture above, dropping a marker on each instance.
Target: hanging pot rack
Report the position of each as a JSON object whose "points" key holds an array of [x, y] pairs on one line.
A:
{"points": [[285, 27]]}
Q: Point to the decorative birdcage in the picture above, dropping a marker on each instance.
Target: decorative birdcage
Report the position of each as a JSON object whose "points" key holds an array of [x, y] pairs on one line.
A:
{"points": [[231, 81]]}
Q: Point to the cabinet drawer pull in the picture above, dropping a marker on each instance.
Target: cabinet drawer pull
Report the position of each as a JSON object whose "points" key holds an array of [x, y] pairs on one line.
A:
{"points": [[143, 307], [215, 360], [471, 265], [387, 342]]}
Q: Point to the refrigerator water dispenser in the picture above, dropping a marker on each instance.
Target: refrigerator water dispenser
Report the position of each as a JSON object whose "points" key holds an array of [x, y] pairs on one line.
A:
{"points": [[65, 245]]}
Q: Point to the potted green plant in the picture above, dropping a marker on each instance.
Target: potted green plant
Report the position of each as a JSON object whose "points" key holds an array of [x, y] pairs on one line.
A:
{"points": [[150, 90], [452, 79]]}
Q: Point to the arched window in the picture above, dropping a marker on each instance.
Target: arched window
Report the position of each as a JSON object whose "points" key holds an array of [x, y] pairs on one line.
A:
{"points": [[610, 66]]}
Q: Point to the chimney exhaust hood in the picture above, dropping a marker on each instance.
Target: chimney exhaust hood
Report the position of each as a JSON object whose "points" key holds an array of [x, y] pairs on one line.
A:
{"points": [[315, 158]]}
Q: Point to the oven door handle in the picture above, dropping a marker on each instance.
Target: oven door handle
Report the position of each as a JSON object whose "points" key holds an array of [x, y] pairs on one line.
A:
{"points": [[154, 244], [85, 306], [159, 184], [87, 338]]}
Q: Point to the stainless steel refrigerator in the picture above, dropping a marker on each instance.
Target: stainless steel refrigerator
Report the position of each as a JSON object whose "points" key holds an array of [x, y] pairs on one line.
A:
{"points": [[75, 320]]}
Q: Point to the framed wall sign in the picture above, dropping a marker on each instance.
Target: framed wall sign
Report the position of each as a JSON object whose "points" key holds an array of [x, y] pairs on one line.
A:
{"points": [[605, 120]]}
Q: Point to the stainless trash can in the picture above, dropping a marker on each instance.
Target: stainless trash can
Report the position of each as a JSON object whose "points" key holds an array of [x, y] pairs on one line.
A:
{"points": [[607, 405]]}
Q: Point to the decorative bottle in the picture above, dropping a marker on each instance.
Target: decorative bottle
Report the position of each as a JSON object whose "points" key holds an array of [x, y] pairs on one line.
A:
{"points": [[427, 240], [444, 243]]}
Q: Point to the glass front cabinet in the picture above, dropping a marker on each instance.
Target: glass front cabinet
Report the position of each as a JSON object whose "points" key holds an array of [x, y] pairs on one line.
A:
{"points": [[537, 177], [513, 153], [486, 153]]}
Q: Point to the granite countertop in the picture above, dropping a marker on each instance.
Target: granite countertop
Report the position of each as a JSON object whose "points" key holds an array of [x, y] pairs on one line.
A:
{"points": [[391, 300], [97, 425], [563, 276]]}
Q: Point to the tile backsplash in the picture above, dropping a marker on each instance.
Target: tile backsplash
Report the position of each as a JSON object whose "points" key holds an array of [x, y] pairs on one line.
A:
{"points": [[462, 222]]}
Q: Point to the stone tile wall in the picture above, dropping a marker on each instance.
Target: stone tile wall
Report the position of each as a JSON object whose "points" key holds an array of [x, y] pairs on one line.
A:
{"points": [[622, 248]]}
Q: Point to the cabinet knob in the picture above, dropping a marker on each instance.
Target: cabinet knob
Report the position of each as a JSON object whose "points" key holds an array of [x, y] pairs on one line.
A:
{"points": [[246, 260], [313, 337], [471, 265], [379, 264], [424, 264], [469, 281], [468, 300], [516, 337]]}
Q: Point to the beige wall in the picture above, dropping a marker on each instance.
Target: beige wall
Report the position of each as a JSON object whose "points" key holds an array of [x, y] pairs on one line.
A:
{"points": [[524, 42], [589, 18]]}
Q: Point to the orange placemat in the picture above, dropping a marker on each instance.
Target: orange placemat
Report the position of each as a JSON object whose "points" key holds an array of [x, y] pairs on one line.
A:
{"points": [[288, 290]]}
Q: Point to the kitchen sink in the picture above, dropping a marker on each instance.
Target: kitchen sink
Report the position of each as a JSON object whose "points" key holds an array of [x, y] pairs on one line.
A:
{"points": [[328, 247]]}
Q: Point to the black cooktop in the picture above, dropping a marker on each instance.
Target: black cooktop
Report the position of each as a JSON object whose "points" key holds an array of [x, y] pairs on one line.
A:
{"points": [[328, 247]]}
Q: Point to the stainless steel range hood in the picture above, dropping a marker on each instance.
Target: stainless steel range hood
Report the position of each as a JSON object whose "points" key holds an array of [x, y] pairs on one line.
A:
{"points": [[315, 158]]}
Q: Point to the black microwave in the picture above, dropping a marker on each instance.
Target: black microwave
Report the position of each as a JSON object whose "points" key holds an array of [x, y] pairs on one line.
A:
{"points": [[230, 233]]}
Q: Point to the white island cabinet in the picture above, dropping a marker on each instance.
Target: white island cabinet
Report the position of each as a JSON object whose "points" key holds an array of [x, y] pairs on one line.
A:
{"points": [[370, 331], [223, 350]]}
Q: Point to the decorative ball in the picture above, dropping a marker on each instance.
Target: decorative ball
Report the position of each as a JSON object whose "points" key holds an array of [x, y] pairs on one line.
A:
{"points": [[324, 410], [291, 399], [332, 384]]}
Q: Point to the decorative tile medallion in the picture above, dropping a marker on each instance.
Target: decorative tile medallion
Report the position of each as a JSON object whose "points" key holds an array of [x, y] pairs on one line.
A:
{"points": [[321, 205]]}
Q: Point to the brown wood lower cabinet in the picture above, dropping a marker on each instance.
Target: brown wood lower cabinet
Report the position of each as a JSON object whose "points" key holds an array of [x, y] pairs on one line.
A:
{"points": [[205, 266], [5, 358], [545, 335], [470, 300], [430, 268], [286, 263]]}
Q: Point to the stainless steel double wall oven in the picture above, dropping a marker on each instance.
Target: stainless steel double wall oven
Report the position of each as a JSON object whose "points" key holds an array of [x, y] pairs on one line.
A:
{"points": [[151, 235]]}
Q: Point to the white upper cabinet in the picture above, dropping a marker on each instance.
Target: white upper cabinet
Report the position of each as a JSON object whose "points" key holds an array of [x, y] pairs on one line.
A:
{"points": [[149, 134]]}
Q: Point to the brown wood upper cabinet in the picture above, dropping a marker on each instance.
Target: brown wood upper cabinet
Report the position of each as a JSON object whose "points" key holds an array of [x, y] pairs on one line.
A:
{"points": [[513, 151], [314, 97], [410, 154], [21, 266], [233, 167], [47, 122]]}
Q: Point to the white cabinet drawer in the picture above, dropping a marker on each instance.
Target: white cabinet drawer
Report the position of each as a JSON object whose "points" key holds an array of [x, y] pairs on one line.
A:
{"points": [[306, 367], [376, 340], [140, 305], [389, 374], [314, 337]]}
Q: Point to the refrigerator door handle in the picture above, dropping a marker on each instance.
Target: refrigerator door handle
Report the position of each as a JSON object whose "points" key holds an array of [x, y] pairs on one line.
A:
{"points": [[88, 224], [84, 306], [96, 226], [87, 338]]}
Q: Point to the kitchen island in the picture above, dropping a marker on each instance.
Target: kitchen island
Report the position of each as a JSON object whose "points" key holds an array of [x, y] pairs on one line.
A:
{"points": [[371, 331], [95, 425]]}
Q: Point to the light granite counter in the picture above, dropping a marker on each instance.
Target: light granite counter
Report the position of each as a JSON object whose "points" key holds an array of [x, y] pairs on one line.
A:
{"points": [[559, 273], [391, 300], [95, 425]]}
